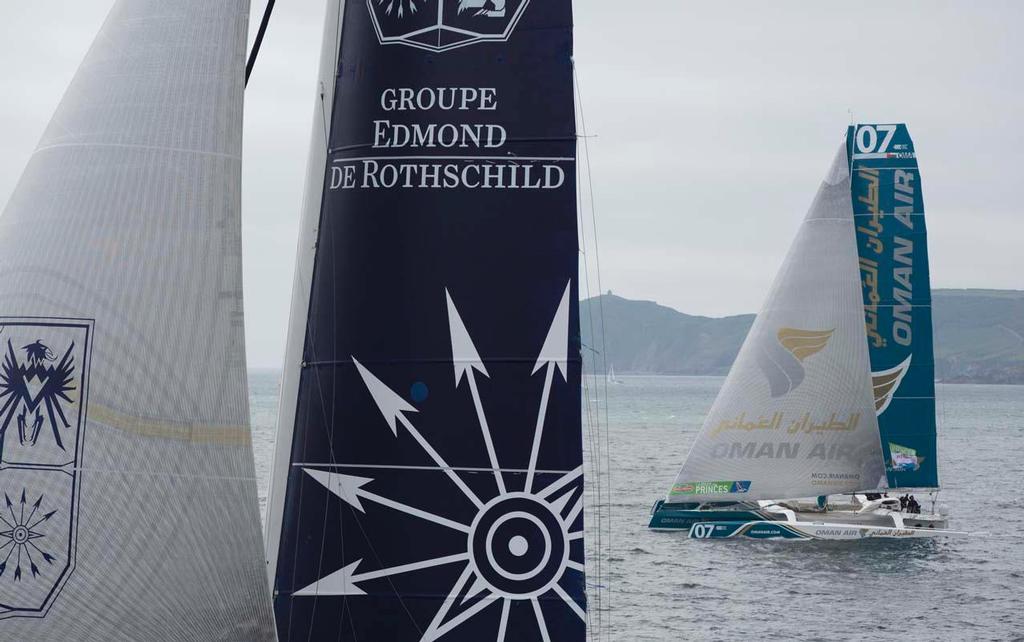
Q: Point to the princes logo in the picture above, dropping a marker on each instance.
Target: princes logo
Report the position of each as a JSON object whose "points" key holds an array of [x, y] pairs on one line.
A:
{"points": [[442, 25]]}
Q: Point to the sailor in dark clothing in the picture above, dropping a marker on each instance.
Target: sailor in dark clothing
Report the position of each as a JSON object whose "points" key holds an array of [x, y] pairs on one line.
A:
{"points": [[912, 505]]}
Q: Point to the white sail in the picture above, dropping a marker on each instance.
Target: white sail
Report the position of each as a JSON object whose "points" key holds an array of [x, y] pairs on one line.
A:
{"points": [[796, 414], [316, 168], [120, 285]]}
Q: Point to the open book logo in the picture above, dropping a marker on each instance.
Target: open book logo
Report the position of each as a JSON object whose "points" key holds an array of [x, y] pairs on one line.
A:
{"points": [[43, 387], [782, 361], [442, 25]]}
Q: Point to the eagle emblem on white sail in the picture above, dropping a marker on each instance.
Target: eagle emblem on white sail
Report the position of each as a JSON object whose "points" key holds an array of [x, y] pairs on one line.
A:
{"points": [[519, 548], [443, 25], [43, 384]]}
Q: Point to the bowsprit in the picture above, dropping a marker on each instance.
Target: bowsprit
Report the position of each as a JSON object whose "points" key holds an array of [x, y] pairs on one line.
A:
{"points": [[441, 25], [43, 392]]}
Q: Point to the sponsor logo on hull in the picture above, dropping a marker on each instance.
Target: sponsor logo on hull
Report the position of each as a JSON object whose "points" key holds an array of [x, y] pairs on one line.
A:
{"points": [[43, 396], [710, 488]]}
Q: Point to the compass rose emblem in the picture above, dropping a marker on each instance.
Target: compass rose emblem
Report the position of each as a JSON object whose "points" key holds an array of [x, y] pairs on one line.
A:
{"points": [[19, 543], [524, 543]]}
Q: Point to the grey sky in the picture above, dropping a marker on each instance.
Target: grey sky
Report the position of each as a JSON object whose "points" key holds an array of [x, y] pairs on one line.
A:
{"points": [[715, 122]]}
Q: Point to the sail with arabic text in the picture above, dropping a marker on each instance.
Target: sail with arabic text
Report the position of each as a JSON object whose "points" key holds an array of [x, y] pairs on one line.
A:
{"points": [[796, 416], [893, 256]]}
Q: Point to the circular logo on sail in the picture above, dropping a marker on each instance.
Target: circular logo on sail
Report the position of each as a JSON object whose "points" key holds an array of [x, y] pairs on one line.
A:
{"points": [[442, 25]]}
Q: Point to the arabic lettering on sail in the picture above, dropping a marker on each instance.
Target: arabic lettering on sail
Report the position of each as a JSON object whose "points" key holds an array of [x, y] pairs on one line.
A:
{"points": [[778, 421]]}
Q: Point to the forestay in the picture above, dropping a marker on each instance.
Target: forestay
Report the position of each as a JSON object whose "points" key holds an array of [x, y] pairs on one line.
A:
{"points": [[795, 416], [128, 506], [428, 476]]}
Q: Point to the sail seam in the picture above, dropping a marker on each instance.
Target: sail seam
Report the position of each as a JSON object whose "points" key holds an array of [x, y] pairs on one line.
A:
{"points": [[440, 468], [150, 473], [144, 147], [562, 159]]}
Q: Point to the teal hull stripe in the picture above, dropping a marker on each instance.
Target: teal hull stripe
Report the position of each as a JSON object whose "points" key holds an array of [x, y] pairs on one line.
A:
{"points": [[888, 208]]}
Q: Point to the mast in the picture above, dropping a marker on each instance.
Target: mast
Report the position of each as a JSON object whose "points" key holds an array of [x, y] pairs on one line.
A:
{"points": [[428, 478], [126, 465]]}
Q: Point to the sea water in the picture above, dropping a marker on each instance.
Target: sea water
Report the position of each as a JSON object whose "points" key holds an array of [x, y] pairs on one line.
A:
{"points": [[663, 586]]}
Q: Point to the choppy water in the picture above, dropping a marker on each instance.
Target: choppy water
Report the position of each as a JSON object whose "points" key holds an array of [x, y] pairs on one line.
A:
{"points": [[666, 587]]}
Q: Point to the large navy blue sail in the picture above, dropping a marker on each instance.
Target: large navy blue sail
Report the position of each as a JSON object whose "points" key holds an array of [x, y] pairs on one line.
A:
{"points": [[433, 482]]}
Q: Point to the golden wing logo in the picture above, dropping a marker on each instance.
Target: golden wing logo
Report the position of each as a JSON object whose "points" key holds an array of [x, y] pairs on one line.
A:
{"points": [[886, 382], [782, 362], [804, 343]]}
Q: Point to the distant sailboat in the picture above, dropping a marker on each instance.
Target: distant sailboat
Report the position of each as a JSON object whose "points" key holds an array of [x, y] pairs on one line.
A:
{"points": [[428, 481], [833, 390], [128, 501], [611, 375]]}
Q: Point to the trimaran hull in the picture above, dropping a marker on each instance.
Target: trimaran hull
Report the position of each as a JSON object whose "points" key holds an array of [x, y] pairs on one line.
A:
{"points": [[808, 531], [777, 523]]}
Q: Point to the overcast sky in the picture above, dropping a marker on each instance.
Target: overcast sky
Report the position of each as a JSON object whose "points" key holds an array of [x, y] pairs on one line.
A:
{"points": [[714, 121]]}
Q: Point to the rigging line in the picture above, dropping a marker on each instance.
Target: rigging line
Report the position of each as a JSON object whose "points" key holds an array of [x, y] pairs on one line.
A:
{"points": [[593, 459], [259, 40], [594, 441], [604, 347], [593, 409], [308, 339], [327, 144], [323, 117]]}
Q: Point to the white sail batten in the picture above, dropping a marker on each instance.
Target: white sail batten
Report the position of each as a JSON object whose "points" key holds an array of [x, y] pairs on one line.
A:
{"points": [[796, 416], [126, 447]]}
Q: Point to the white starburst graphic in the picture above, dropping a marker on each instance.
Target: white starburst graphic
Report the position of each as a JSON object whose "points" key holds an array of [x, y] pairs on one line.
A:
{"points": [[517, 547], [400, 7]]}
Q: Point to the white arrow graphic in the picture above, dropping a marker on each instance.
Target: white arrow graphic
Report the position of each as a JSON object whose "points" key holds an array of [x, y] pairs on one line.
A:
{"points": [[343, 582], [393, 408], [466, 359], [438, 627], [350, 489], [554, 354]]}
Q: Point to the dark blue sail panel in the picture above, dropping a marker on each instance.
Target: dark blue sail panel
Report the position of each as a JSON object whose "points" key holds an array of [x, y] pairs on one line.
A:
{"points": [[436, 483], [892, 246]]}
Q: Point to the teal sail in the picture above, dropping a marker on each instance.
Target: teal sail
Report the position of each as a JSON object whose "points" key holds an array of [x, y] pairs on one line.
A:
{"points": [[892, 249]]}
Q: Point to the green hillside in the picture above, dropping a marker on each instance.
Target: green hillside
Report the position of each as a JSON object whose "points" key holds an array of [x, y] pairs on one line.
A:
{"points": [[979, 336]]}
